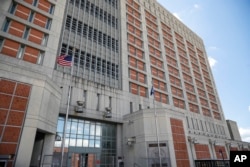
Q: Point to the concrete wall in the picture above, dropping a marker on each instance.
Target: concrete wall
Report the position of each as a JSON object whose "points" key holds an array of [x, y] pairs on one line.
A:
{"points": [[43, 107]]}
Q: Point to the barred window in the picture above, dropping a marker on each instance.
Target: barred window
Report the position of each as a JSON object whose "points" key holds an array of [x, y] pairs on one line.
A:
{"points": [[90, 33], [95, 35], [109, 41], [96, 11], [88, 56], [104, 39], [93, 63], [100, 38], [92, 8], [74, 24], [13, 8], [85, 29], [98, 65], [103, 67], [79, 28], [105, 16], [87, 6], [68, 22], [101, 14]]}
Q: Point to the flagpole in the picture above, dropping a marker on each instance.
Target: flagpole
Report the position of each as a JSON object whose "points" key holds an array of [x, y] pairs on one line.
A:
{"points": [[67, 111], [156, 126]]}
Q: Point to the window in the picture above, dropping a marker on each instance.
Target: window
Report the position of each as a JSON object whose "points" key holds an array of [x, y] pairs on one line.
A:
{"points": [[79, 28], [48, 24], [31, 16], [95, 35], [68, 22], [85, 29], [45, 39], [98, 65], [104, 39], [88, 57], [20, 52], [74, 24], [1, 43], [87, 6], [109, 41], [92, 8], [6, 25], [26, 32], [85, 133], [90, 33], [34, 3], [12, 8], [51, 9], [40, 58], [113, 70], [116, 45]]}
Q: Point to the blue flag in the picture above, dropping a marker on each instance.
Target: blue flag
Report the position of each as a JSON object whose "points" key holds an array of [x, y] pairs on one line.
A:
{"points": [[152, 91]]}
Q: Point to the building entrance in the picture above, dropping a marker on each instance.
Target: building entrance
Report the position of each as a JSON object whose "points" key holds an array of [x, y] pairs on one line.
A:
{"points": [[83, 157], [88, 143]]}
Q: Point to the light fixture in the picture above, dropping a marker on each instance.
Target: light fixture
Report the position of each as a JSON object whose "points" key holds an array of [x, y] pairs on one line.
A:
{"points": [[107, 113], [58, 137], [130, 141], [130, 121], [193, 140], [228, 144], [240, 146], [213, 142], [80, 106], [108, 109]]}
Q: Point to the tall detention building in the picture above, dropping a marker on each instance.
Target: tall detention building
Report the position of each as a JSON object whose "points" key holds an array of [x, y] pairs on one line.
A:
{"points": [[121, 49]]}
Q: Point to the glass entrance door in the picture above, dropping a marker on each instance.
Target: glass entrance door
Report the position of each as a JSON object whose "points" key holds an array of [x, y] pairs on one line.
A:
{"points": [[82, 160]]}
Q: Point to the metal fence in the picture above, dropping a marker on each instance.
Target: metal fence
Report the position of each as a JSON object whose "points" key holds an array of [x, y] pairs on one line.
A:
{"points": [[212, 163], [76, 160], [154, 162]]}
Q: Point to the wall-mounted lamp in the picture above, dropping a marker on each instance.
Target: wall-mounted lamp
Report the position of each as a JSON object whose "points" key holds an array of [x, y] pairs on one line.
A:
{"points": [[107, 113], [228, 144], [193, 140], [131, 141], [240, 146], [130, 121], [58, 137], [212, 142], [80, 106]]}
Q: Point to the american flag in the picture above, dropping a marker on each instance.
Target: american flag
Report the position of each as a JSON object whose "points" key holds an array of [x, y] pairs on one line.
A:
{"points": [[64, 60]]}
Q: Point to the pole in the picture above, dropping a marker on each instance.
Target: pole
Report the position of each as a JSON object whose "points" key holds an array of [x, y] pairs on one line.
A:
{"points": [[67, 111], [157, 136]]}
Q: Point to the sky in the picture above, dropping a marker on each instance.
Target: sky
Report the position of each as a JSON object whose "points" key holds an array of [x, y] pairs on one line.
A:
{"points": [[224, 26]]}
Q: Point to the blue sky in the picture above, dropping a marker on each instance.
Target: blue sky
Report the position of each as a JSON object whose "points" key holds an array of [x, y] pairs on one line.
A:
{"points": [[224, 26]]}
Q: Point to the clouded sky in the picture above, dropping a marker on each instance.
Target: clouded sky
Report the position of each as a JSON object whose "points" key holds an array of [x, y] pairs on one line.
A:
{"points": [[224, 26]]}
